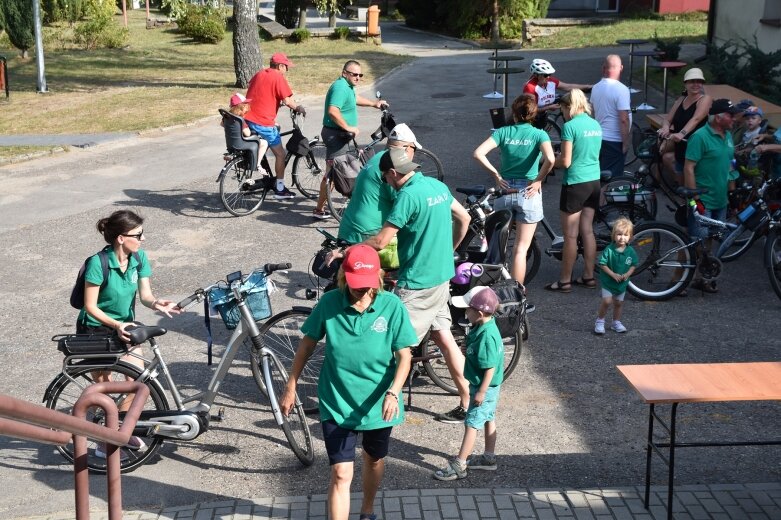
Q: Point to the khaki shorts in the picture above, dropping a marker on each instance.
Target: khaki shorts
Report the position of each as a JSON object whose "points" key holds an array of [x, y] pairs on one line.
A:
{"points": [[427, 308]]}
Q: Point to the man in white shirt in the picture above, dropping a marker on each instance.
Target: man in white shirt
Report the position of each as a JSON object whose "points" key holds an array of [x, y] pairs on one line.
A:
{"points": [[612, 109]]}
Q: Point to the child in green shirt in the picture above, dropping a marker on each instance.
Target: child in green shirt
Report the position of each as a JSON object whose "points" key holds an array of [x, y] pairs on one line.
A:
{"points": [[484, 370], [616, 265]]}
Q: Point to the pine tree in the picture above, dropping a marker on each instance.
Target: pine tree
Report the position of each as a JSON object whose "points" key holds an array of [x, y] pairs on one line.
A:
{"points": [[18, 19]]}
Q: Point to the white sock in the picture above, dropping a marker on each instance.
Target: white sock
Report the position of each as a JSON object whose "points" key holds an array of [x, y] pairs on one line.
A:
{"points": [[280, 185]]}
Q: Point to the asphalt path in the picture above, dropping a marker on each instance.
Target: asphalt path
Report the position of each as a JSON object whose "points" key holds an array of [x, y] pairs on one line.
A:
{"points": [[566, 418]]}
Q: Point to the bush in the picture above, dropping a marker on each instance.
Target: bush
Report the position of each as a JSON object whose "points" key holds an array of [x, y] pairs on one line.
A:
{"points": [[286, 12], [202, 24], [671, 47], [100, 30], [746, 66], [299, 35], [18, 20], [341, 33]]}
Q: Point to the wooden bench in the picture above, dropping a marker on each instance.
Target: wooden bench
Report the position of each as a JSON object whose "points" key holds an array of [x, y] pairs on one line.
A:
{"points": [[273, 28], [697, 383]]}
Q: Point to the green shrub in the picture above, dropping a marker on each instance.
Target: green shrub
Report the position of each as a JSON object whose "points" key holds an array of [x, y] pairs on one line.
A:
{"points": [[173, 8], [341, 33], [100, 30], [671, 47], [299, 35], [286, 12], [746, 66], [202, 24], [18, 16]]}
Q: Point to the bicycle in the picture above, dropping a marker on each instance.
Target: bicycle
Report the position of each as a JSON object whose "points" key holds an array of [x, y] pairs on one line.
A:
{"points": [[430, 165], [242, 191], [669, 257], [772, 252], [90, 358]]}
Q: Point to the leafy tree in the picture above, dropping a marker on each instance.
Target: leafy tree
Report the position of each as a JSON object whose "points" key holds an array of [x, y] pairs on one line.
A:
{"points": [[332, 7], [247, 58], [18, 21]]}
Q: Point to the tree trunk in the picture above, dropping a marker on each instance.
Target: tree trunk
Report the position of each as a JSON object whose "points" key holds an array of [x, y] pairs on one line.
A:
{"points": [[495, 35], [332, 18], [247, 58], [302, 14]]}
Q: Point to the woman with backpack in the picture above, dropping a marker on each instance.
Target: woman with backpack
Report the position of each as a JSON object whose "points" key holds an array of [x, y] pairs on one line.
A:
{"points": [[114, 275]]}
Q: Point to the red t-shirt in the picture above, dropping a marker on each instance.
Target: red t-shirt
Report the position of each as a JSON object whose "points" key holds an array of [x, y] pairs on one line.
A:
{"points": [[266, 89], [544, 96]]}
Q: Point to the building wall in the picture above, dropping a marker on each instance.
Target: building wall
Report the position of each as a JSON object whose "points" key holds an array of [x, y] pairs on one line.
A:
{"points": [[663, 6], [736, 20], [682, 6]]}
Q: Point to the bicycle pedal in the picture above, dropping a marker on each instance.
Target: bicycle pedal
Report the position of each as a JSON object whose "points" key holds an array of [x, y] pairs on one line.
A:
{"points": [[220, 415]]}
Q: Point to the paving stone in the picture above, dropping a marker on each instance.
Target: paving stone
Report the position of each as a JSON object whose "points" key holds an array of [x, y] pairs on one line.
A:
{"points": [[443, 491], [221, 512], [466, 502], [712, 505], [317, 508], [635, 505], [391, 504], [395, 515], [698, 512], [758, 516], [577, 499], [507, 514], [727, 487], [622, 513], [204, 514], [429, 504], [450, 510], [411, 510], [749, 506], [431, 515], [474, 491], [583, 513], [503, 502], [524, 508], [735, 512], [764, 486], [545, 514], [470, 515], [402, 493], [724, 497], [446, 499], [486, 509]]}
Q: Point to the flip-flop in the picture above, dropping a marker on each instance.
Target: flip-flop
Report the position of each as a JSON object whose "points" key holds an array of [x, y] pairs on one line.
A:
{"points": [[563, 287], [588, 283]]}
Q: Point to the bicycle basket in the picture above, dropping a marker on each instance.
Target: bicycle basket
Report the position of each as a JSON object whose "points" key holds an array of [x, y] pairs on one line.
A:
{"points": [[257, 300], [80, 344], [298, 144], [512, 307]]}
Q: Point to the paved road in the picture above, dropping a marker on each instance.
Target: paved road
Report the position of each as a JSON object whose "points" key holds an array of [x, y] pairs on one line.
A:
{"points": [[567, 420]]}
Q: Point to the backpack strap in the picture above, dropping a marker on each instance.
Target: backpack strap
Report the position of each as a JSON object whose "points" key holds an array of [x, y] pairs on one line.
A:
{"points": [[103, 256]]}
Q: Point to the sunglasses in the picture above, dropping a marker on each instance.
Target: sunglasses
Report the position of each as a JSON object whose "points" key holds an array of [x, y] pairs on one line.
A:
{"points": [[353, 74], [137, 236], [544, 75]]}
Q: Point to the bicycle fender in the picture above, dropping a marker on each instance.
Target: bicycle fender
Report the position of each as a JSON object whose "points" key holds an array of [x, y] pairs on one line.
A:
{"points": [[302, 308]]}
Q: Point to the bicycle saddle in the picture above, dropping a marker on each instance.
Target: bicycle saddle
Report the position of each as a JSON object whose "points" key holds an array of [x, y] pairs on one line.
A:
{"points": [[140, 334], [474, 190], [689, 192], [605, 175]]}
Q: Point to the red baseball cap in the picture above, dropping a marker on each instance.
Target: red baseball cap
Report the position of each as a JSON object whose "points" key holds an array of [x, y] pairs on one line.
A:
{"points": [[280, 57], [237, 99], [361, 267]]}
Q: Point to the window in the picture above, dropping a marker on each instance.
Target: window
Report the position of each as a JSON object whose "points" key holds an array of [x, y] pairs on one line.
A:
{"points": [[772, 15]]}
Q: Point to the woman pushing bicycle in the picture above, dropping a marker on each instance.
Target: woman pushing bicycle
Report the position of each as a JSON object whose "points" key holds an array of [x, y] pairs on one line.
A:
{"points": [[367, 358]]}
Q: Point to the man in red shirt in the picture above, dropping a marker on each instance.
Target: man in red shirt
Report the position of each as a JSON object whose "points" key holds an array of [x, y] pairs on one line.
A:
{"points": [[268, 89]]}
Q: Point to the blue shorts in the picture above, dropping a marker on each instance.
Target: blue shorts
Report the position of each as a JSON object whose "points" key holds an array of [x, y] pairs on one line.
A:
{"points": [[525, 211], [269, 133], [340, 442], [612, 157], [698, 231], [477, 416]]}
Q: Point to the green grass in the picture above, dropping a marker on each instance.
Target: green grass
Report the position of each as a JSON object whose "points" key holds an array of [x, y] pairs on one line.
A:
{"points": [[161, 79], [17, 151]]}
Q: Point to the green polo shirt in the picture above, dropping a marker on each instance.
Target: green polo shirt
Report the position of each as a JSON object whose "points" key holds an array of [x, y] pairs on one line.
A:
{"points": [[520, 148], [619, 262], [713, 155], [369, 206], [359, 364], [422, 214], [585, 134], [341, 95], [484, 350], [117, 296]]}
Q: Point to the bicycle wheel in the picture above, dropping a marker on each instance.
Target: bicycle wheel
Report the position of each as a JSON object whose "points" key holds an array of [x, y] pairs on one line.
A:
{"points": [[281, 334], [773, 260], [240, 193], [308, 170], [666, 261], [337, 202], [294, 425], [430, 164], [738, 241], [437, 369], [63, 392]]}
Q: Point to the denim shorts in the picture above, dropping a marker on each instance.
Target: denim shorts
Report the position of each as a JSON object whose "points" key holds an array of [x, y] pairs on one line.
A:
{"points": [[617, 297], [698, 231], [335, 142], [525, 211], [477, 416], [340, 442], [268, 133]]}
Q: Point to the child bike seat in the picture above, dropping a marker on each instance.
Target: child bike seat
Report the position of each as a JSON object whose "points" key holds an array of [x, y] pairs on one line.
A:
{"points": [[235, 140]]}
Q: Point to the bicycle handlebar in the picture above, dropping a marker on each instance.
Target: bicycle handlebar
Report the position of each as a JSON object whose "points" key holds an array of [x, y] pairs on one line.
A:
{"points": [[200, 294]]}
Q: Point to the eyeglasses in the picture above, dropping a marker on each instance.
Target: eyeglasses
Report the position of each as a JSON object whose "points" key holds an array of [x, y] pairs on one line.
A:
{"points": [[137, 236], [544, 75], [353, 74]]}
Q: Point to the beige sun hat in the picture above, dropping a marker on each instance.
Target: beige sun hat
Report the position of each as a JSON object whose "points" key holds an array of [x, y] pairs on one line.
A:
{"points": [[693, 73]]}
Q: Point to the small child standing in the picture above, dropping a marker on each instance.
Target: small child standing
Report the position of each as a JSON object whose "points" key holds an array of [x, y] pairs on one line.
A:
{"points": [[484, 369], [616, 265]]}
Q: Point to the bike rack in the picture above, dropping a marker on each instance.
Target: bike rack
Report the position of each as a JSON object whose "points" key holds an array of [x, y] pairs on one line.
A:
{"points": [[28, 421]]}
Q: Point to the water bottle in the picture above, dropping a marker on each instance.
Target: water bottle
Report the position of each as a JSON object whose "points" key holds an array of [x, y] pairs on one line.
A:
{"points": [[753, 158], [483, 243]]}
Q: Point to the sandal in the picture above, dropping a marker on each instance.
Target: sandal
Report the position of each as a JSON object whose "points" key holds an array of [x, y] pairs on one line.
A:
{"points": [[706, 287], [588, 283], [563, 287]]}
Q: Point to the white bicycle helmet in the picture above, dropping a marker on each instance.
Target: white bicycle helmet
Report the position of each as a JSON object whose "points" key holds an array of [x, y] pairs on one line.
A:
{"points": [[541, 67]]}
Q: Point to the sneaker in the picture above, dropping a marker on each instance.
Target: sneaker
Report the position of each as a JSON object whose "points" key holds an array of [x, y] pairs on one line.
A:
{"points": [[530, 307], [618, 326], [322, 215], [483, 462], [135, 443], [284, 193], [100, 452], [453, 471], [599, 326], [454, 416]]}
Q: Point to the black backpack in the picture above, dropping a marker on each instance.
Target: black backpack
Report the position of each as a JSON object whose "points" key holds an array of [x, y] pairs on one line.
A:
{"points": [[77, 293], [512, 307]]}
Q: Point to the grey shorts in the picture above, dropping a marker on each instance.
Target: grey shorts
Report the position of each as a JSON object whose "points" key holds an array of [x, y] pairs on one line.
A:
{"points": [[335, 142], [616, 297], [525, 211], [427, 307]]}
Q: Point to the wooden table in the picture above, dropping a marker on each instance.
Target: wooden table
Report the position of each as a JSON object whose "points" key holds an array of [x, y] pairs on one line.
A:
{"points": [[698, 383], [735, 95]]}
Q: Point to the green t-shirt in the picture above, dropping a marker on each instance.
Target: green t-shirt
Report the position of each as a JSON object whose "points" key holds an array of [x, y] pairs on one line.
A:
{"points": [[585, 134], [713, 155], [370, 204], [520, 148], [117, 296], [619, 262], [359, 364], [422, 214], [484, 350], [341, 95]]}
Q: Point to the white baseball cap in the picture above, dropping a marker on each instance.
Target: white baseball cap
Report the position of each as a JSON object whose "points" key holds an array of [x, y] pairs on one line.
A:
{"points": [[402, 132]]}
